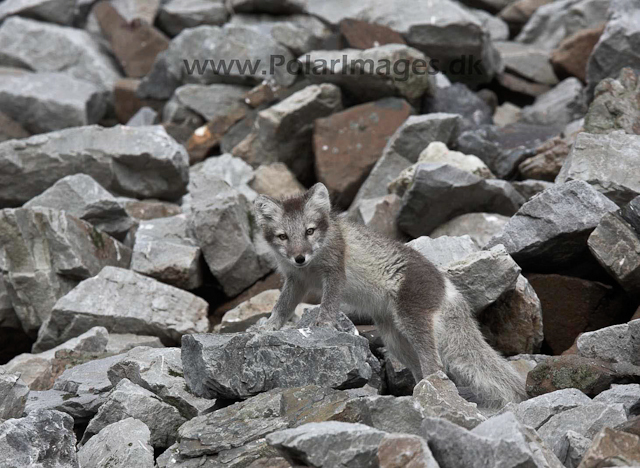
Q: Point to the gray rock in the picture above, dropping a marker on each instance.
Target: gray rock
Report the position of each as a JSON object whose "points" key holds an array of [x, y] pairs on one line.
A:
{"points": [[398, 378], [176, 15], [81, 407], [586, 420], [40, 370], [164, 250], [208, 102], [44, 439], [481, 227], [44, 253], [571, 449], [247, 313], [45, 102], [220, 222], [527, 61], [553, 227], [530, 188], [379, 214], [140, 162], [419, 131], [81, 196], [444, 250], [122, 342], [558, 107], [229, 44], [439, 398], [361, 75], [482, 277], [234, 171], [458, 99], [275, 180], [329, 444], [136, 304], [388, 167], [88, 378], [240, 426], [129, 400], [284, 131], [44, 47], [144, 117], [537, 411], [148, 209], [552, 23], [618, 46], [612, 175], [227, 365], [125, 443], [386, 413], [617, 343], [499, 441], [160, 372], [615, 244], [310, 316], [626, 395], [8, 317], [13, 395], [55, 11], [451, 192]]}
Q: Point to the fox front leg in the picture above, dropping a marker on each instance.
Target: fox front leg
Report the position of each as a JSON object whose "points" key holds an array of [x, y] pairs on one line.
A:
{"points": [[292, 293], [332, 287]]}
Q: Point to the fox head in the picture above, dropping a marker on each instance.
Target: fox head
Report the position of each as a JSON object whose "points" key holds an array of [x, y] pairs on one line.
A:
{"points": [[295, 228]]}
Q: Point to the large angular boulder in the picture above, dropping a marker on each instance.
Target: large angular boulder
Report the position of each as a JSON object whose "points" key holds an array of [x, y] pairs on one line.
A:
{"points": [[481, 227], [626, 395], [527, 62], [123, 443], [135, 304], [618, 46], [379, 214], [164, 249], [459, 99], [13, 395], [558, 107], [615, 244], [55, 11], [211, 54], [40, 370], [347, 144], [552, 23], [283, 132], [617, 343], [609, 445], [615, 105], [396, 450], [499, 441], [228, 366], [81, 196], [45, 253], [606, 162], [553, 227], [159, 371], [140, 162], [43, 435], [329, 444], [44, 47], [440, 192], [45, 102], [220, 223], [536, 411], [129, 400], [418, 131], [372, 74]]}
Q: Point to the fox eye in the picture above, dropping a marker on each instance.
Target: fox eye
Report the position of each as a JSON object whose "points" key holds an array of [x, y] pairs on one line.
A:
{"points": [[310, 231], [282, 237]]}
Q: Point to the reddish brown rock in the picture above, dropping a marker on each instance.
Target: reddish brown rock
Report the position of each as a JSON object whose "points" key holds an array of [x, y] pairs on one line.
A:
{"points": [[572, 54], [611, 446], [206, 138], [127, 103], [590, 376], [10, 129], [571, 306], [362, 35], [547, 162], [275, 180], [348, 144], [404, 451], [518, 13], [135, 44], [145, 210], [632, 426], [520, 85]]}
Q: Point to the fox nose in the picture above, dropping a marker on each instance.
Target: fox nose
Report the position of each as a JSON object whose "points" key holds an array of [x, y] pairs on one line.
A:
{"points": [[300, 259]]}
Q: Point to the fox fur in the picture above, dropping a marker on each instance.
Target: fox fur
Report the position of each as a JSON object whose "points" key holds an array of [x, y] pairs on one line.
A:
{"points": [[423, 319]]}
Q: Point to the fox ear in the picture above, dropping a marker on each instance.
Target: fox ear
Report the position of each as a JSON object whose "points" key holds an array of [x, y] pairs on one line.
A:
{"points": [[318, 198], [266, 210]]}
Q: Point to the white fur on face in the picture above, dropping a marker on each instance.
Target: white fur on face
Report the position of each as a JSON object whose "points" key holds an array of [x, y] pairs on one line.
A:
{"points": [[318, 201]]}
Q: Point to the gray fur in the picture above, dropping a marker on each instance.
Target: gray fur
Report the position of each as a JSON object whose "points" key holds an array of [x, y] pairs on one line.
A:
{"points": [[424, 321]]}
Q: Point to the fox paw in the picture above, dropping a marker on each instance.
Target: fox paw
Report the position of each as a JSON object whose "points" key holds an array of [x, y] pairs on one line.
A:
{"points": [[263, 325]]}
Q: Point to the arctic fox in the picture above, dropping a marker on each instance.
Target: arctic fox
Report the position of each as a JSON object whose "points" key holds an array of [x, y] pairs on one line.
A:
{"points": [[424, 321]]}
